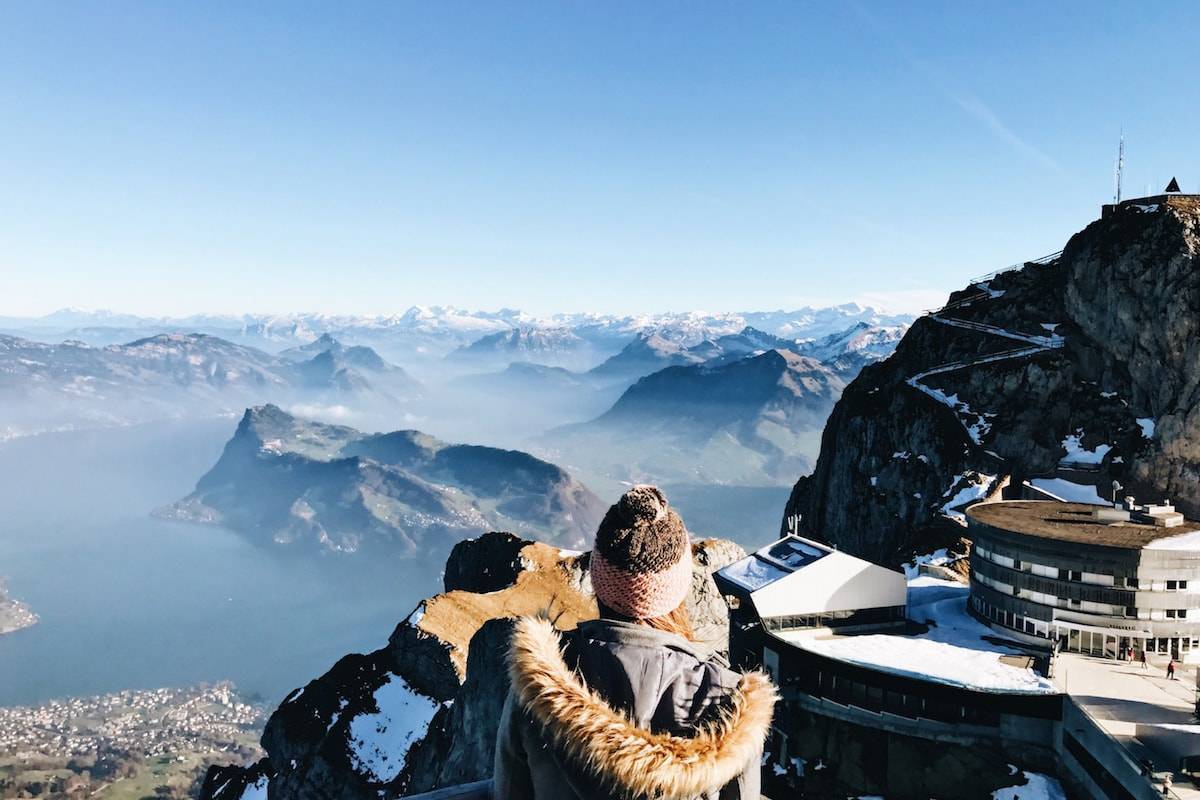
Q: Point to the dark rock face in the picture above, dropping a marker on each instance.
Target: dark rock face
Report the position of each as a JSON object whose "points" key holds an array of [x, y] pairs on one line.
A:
{"points": [[423, 711], [1123, 296], [486, 564], [1134, 291], [462, 739]]}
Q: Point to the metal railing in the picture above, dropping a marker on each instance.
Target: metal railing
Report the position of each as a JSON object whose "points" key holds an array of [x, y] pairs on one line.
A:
{"points": [[982, 279]]}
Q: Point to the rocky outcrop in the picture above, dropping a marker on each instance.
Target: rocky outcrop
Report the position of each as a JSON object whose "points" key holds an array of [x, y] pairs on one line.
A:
{"points": [[289, 481], [423, 711], [1080, 367]]}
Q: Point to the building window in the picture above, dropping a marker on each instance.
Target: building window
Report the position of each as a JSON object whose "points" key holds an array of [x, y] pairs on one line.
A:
{"points": [[1172, 585], [1074, 575], [1132, 583], [1183, 584], [1131, 611]]}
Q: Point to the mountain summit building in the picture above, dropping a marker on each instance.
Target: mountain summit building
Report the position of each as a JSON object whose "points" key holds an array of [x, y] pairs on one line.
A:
{"points": [[1090, 579]]}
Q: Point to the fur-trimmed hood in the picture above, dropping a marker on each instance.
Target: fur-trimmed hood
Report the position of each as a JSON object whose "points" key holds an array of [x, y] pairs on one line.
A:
{"points": [[636, 761]]}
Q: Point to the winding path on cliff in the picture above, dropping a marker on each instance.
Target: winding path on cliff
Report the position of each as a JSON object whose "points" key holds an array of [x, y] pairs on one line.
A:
{"points": [[1033, 345]]}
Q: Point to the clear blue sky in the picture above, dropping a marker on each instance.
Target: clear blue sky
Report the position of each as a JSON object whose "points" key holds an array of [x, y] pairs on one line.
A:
{"points": [[172, 157]]}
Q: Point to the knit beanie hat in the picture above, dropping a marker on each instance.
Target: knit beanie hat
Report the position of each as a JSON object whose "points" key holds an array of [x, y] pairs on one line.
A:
{"points": [[642, 561]]}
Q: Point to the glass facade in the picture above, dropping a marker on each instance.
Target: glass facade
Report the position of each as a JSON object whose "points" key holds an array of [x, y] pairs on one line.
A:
{"points": [[1100, 600]]}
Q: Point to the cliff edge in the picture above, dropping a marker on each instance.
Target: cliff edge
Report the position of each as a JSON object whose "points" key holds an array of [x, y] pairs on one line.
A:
{"points": [[1069, 372], [423, 711]]}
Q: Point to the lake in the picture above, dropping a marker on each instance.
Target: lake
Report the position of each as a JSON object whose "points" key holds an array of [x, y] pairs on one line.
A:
{"points": [[128, 601]]}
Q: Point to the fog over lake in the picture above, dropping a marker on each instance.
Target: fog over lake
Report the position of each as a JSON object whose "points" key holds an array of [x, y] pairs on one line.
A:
{"points": [[128, 601]]}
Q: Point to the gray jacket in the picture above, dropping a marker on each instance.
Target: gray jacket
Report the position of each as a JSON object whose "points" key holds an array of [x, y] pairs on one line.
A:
{"points": [[626, 711]]}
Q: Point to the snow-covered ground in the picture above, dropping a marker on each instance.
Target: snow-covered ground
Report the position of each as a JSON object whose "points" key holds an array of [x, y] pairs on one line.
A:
{"points": [[1036, 787], [1078, 454], [379, 742], [1182, 541], [256, 790], [953, 651], [973, 486], [1069, 491]]}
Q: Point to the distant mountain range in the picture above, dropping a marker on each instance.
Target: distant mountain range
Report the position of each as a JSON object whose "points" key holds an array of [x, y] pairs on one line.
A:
{"points": [[550, 346], [287, 481], [502, 378], [431, 333], [178, 375], [754, 419]]}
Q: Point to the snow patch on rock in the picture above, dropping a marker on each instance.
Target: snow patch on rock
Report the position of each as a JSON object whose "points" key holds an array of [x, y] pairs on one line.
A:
{"points": [[1078, 454], [972, 486], [256, 790], [1036, 787], [379, 742]]}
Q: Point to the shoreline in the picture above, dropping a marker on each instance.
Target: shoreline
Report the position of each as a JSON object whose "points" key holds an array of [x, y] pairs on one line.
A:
{"points": [[15, 615]]}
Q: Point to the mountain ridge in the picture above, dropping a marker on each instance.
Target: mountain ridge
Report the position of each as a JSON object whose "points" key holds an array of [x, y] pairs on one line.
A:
{"points": [[739, 422], [171, 375], [1091, 352], [283, 480]]}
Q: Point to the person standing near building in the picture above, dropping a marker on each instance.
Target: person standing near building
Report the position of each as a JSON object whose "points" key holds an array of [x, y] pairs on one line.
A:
{"points": [[627, 705], [1143, 658], [1171, 669]]}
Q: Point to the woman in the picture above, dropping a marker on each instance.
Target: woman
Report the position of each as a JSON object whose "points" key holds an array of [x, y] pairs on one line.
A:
{"points": [[626, 706]]}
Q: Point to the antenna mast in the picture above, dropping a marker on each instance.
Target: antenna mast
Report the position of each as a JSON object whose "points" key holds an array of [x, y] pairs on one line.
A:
{"points": [[1120, 165]]}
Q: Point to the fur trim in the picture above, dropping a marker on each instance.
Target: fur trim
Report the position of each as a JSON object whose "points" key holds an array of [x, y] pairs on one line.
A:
{"points": [[637, 761]]}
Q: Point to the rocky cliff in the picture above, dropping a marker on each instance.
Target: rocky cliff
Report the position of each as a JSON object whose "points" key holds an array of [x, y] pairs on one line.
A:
{"points": [[290, 481], [423, 711], [1079, 368]]}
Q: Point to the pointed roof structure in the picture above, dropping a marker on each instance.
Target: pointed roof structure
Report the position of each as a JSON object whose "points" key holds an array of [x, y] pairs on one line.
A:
{"points": [[1173, 186]]}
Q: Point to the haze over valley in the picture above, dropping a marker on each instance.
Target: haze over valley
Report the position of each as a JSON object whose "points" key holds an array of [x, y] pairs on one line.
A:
{"points": [[331, 335], [249, 470]]}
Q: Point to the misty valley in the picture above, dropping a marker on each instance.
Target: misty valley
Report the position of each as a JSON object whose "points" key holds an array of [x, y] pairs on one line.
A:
{"points": [[191, 502]]}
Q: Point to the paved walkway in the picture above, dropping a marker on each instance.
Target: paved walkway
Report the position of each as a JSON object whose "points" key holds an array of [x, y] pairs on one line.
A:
{"points": [[1120, 695]]}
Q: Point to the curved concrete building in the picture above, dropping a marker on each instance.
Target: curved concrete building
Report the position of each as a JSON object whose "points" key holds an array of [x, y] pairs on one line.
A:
{"points": [[1090, 579]]}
